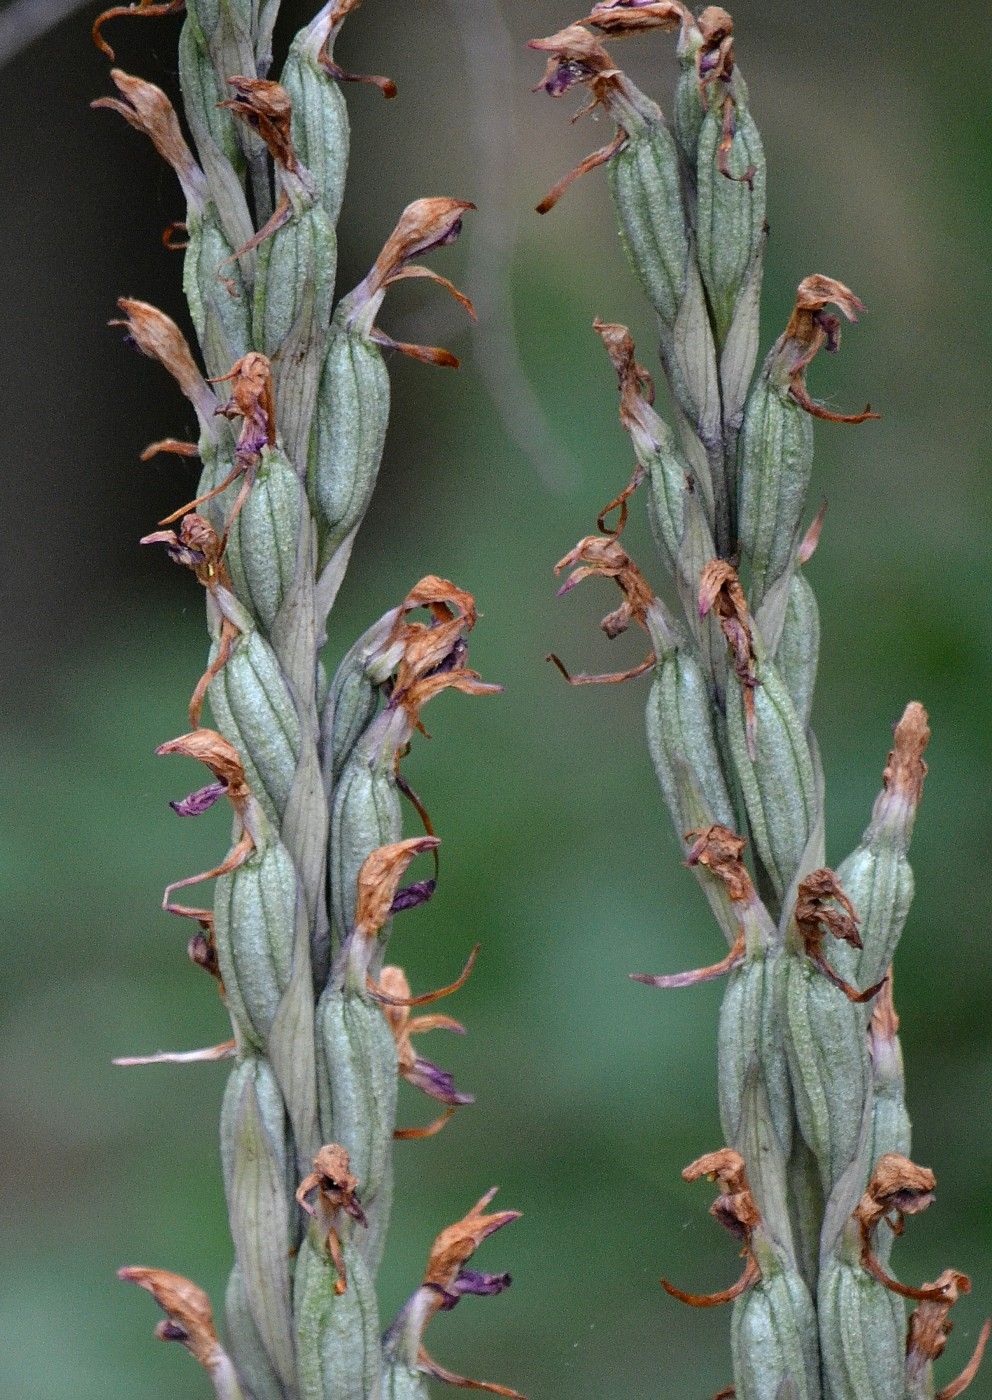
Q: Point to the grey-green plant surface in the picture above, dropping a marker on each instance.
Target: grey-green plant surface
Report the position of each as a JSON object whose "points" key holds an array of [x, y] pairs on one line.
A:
{"points": [[292, 412], [814, 1176]]}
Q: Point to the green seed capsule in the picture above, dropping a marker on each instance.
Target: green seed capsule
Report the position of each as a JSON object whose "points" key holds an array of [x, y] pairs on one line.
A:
{"points": [[320, 130], [219, 301], [337, 1335], [778, 784], [357, 1081], [254, 923], [292, 317], [799, 648], [751, 1045], [256, 1175], [826, 1042], [254, 710], [646, 188], [775, 460], [245, 1345], [353, 699], [349, 431], [216, 140], [862, 1335], [365, 815], [681, 740], [264, 543], [773, 1340], [730, 217]]}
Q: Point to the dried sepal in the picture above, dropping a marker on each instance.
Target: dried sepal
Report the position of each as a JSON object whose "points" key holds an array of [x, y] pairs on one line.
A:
{"points": [[898, 1187], [622, 17], [822, 907], [597, 556], [929, 1328], [906, 767], [146, 107], [264, 106], [326, 35], [227, 1050], [189, 1317], [736, 1210], [157, 336], [433, 1368], [812, 328], [393, 994], [720, 591], [334, 1187], [143, 9]]}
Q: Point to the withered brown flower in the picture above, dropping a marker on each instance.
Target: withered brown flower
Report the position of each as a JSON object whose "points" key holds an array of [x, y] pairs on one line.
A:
{"points": [[335, 1186], [898, 1187], [736, 1211], [823, 907]]}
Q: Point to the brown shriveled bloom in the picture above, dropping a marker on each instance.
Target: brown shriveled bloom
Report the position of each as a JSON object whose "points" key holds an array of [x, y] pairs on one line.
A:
{"points": [[812, 328], [822, 907], [577, 57], [736, 1210], [599, 556], [264, 106], [720, 851], [325, 31], [929, 1328], [157, 336], [424, 225], [636, 412], [392, 991], [252, 401], [335, 1188], [720, 591], [447, 1280], [379, 879], [198, 547], [898, 1187], [189, 1317], [222, 759]]}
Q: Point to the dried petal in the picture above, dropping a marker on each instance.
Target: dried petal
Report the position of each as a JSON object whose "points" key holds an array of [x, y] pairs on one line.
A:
{"points": [[631, 16], [817, 915], [220, 756], [898, 1187], [146, 9], [265, 107], [149, 111], [158, 336], [605, 558], [379, 878], [736, 1210], [810, 328], [721, 592], [906, 768], [455, 1245], [720, 850]]}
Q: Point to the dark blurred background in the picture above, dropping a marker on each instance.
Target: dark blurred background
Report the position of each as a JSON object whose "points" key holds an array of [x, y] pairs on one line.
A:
{"points": [[592, 1092]]}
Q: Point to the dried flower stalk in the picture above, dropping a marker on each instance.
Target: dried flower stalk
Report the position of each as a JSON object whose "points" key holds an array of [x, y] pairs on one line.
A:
{"points": [[815, 1178], [292, 403]]}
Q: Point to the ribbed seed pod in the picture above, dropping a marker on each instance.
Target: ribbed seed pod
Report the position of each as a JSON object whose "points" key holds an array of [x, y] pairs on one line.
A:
{"points": [[798, 650], [877, 874], [400, 1382], [246, 1344], [337, 1334], [254, 921], [862, 1335], [730, 208], [365, 814], [775, 461], [357, 1083], [352, 700], [826, 1040], [320, 130], [349, 432], [219, 300], [778, 783], [644, 180], [773, 1338], [750, 1043], [257, 1168], [264, 542], [254, 710]]}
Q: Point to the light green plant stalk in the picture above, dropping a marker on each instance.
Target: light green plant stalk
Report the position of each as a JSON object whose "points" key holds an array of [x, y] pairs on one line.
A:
{"points": [[292, 416], [810, 1072]]}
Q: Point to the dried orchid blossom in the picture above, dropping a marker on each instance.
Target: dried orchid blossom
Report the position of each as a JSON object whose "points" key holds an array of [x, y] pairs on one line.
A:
{"points": [[290, 387], [812, 1101]]}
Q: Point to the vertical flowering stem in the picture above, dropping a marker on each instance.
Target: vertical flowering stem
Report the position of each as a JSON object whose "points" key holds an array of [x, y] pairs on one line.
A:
{"points": [[292, 402], [812, 1104]]}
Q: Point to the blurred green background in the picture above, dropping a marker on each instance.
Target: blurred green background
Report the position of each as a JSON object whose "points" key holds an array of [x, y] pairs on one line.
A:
{"points": [[592, 1092]]}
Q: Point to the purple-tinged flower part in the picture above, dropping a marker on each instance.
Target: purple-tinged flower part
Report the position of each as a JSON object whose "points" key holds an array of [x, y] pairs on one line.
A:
{"points": [[455, 657], [565, 76], [177, 551], [412, 895], [437, 1082], [470, 1281], [200, 801]]}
